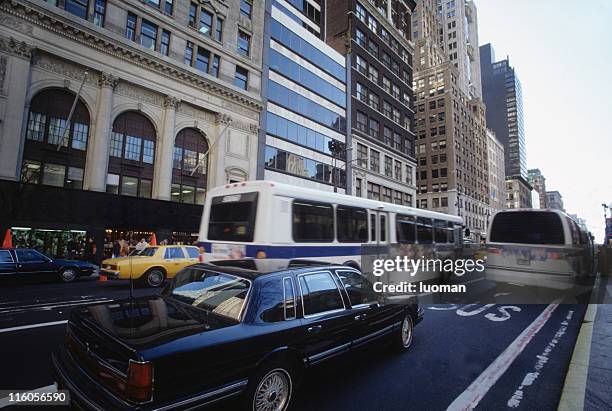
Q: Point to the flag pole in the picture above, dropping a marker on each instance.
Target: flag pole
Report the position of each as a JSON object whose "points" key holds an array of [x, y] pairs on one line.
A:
{"points": [[69, 119]]}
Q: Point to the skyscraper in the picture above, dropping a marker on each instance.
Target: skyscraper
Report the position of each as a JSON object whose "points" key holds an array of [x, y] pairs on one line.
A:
{"points": [[496, 171], [304, 94], [451, 146], [501, 90], [538, 182], [375, 37], [555, 200], [458, 36]]}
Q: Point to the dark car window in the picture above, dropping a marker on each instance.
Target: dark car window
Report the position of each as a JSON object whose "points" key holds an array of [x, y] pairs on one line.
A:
{"points": [[223, 294], [30, 256], [358, 288], [319, 293], [192, 252], [5, 257], [148, 252], [174, 252], [270, 300]]}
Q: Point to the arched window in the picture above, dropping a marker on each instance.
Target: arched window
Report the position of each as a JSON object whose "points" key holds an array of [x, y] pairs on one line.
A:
{"points": [[132, 154], [190, 167], [46, 131]]}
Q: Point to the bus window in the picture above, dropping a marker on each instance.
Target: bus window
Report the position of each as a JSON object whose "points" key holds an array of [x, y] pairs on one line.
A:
{"points": [[352, 224], [372, 227], [383, 228], [313, 222], [527, 227], [451, 233], [440, 235], [232, 217], [406, 233], [424, 232]]}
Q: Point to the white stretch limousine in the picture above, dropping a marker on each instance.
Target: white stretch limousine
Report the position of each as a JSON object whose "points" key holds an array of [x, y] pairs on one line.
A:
{"points": [[541, 248], [263, 219]]}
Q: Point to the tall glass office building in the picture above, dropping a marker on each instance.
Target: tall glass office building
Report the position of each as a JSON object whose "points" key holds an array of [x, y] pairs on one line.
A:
{"points": [[305, 105]]}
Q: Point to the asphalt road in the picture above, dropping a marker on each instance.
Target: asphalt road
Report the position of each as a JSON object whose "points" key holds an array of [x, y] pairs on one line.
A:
{"points": [[489, 356]]}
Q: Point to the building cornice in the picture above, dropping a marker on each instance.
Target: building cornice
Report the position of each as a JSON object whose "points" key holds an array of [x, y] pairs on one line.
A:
{"points": [[67, 28]]}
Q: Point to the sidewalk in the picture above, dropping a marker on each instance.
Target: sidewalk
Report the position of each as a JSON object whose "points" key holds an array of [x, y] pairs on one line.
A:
{"points": [[588, 383]]}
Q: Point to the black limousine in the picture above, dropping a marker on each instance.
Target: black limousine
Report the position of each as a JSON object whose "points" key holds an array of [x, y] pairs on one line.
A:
{"points": [[218, 331]]}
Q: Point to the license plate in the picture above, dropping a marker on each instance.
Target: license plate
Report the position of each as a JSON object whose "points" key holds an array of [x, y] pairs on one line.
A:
{"points": [[521, 261]]}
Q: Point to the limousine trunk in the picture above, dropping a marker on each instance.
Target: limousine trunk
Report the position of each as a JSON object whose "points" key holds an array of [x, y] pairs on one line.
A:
{"points": [[137, 350]]}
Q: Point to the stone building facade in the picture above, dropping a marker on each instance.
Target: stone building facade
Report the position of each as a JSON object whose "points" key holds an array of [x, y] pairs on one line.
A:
{"points": [[169, 99]]}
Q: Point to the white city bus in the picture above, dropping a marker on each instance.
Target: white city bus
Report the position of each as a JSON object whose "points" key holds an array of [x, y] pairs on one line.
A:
{"points": [[538, 247], [263, 219]]}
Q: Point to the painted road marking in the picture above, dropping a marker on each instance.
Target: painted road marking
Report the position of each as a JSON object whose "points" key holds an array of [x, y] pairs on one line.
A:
{"points": [[542, 360], [470, 398], [26, 327], [47, 307], [4, 402]]}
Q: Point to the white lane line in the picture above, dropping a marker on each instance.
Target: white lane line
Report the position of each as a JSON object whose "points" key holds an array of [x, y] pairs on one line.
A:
{"points": [[49, 303], [26, 327], [4, 402], [470, 398], [52, 306]]}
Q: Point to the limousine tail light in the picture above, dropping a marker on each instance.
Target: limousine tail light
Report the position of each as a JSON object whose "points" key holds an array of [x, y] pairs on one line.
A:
{"points": [[494, 250], [139, 385], [261, 254]]}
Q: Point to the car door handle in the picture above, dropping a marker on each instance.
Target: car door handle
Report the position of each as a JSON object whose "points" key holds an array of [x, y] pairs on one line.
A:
{"points": [[315, 329], [360, 317]]}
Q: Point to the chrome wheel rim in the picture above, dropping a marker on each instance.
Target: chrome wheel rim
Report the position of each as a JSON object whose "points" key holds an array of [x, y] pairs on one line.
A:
{"points": [[273, 392], [155, 278], [68, 275], [406, 331]]}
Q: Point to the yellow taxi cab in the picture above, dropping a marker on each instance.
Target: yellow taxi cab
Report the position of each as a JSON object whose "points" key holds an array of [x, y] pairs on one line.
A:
{"points": [[153, 265]]}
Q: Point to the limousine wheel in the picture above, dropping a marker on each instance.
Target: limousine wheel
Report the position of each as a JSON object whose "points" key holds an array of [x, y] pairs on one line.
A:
{"points": [[405, 334], [68, 275], [154, 277], [271, 389]]}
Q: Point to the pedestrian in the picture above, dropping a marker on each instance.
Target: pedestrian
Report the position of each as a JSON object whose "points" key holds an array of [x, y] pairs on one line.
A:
{"points": [[141, 245], [116, 249], [123, 248]]}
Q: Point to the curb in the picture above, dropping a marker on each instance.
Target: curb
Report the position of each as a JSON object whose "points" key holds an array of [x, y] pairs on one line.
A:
{"points": [[574, 388]]}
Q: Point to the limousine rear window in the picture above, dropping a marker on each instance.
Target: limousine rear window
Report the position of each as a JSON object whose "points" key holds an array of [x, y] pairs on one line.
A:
{"points": [[232, 217], [527, 227], [220, 293]]}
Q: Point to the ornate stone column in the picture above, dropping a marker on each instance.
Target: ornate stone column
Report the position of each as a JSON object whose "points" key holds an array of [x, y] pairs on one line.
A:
{"points": [[218, 143], [162, 176], [15, 58], [99, 144]]}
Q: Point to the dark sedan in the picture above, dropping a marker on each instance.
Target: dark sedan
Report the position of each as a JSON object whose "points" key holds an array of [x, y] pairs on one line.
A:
{"points": [[29, 262], [221, 331]]}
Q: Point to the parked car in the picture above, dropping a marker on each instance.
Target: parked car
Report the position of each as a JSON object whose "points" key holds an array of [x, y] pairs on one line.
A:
{"points": [[218, 331], [153, 265], [29, 262]]}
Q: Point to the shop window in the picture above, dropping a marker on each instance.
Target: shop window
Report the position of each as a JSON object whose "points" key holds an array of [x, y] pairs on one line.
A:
{"points": [[132, 156]]}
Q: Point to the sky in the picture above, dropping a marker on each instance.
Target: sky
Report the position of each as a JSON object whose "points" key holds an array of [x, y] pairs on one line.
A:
{"points": [[562, 53]]}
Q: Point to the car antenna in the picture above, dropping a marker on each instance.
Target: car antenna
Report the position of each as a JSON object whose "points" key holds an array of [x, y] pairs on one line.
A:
{"points": [[131, 279]]}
